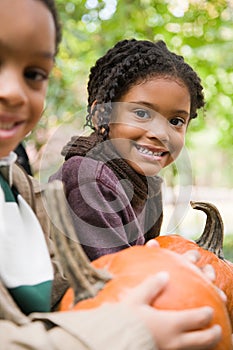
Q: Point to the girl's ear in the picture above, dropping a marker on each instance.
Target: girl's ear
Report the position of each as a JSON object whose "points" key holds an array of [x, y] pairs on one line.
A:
{"points": [[94, 114]]}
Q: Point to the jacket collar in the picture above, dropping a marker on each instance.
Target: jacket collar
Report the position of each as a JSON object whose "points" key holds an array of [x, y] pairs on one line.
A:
{"points": [[6, 165]]}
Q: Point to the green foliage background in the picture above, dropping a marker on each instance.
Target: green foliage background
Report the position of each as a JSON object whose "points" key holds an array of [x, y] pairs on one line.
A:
{"points": [[200, 30], [228, 247]]}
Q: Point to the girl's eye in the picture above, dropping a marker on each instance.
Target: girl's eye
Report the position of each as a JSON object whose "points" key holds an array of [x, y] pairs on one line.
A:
{"points": [[177, 122], [36, 75], [142, 114]]}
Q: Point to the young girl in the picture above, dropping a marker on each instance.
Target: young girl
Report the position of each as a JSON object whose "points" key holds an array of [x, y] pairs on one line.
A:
{"points": [[29, 36], [141, 98]]}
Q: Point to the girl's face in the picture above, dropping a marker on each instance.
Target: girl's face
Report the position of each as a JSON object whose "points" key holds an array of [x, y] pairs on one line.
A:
{"points": [[149, 123], [27, 47]]}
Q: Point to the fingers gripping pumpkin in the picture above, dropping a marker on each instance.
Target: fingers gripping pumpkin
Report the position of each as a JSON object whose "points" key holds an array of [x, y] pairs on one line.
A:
{"points": [[210, 248]]}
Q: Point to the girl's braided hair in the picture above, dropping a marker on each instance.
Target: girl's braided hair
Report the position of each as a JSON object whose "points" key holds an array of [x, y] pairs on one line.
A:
{"points": [[130, 62], [50, 4]]}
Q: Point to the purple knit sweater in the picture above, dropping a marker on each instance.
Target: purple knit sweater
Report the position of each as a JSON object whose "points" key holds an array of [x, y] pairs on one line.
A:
{"points": [[104, 218]]}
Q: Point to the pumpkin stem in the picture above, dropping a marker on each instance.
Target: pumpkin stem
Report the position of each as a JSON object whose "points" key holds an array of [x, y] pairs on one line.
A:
{"points": [[85, 280], [212, 236]]}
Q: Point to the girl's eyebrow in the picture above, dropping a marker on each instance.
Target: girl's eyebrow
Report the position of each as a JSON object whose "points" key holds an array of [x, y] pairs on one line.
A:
{"points": [[156, 107]]}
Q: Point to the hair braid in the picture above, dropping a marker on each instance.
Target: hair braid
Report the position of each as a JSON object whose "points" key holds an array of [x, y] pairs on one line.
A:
{"points": [[130, 62]]}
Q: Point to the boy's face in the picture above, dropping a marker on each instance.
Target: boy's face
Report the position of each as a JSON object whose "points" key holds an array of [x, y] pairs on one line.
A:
{"points": [[149, 123], [27, 47]]}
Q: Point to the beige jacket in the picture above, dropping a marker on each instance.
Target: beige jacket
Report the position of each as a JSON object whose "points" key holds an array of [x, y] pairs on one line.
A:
{"points": [[108, 327]]}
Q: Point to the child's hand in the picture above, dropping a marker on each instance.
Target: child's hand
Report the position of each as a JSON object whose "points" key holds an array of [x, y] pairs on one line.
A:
{"points": [[173, 330], [193, 256]]}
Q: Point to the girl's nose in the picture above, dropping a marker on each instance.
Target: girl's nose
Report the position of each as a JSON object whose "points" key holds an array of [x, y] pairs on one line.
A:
{"points": [[12, 88], [158, 128]]}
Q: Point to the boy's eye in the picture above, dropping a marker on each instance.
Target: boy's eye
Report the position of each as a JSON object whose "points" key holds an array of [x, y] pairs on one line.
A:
{"points": [[177, 122], [141, 113], [36, 75]]}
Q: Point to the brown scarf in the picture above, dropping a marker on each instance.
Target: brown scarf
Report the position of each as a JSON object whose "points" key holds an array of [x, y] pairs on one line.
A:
{"points": [[138, 188]]}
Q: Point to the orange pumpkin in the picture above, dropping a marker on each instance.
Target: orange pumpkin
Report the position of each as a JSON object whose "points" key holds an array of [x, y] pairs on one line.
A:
{"points": [[187, 287], [210, 248]]}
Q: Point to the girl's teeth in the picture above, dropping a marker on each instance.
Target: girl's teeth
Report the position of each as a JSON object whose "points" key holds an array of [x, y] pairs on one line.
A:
{"points": [[150, 153]]}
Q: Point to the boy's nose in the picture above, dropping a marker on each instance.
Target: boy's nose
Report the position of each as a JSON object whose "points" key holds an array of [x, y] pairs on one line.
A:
{"points": [[12, 88]]}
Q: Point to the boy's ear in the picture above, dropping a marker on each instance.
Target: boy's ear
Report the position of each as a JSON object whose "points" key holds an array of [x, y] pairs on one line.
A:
{"points": [[94, 116]]}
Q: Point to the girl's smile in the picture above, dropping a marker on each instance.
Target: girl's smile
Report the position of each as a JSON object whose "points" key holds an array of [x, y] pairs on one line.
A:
{"points": [[149, 123], [151, 152]]}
